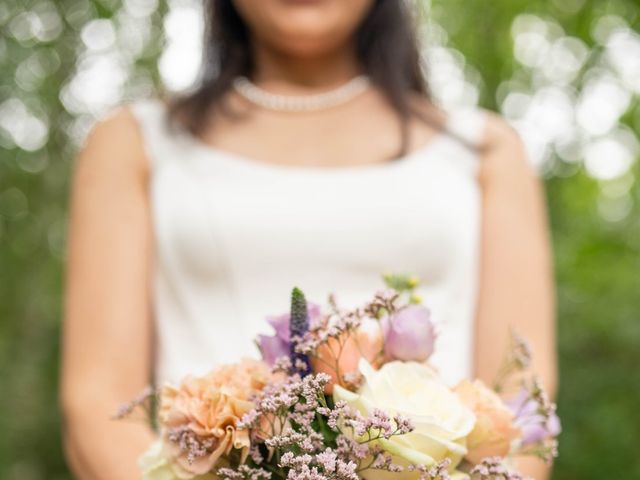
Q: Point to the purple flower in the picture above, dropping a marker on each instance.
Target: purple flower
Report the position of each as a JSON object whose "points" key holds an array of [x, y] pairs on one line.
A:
{"points": [[409, 334], [276, 346], [536, 424]]}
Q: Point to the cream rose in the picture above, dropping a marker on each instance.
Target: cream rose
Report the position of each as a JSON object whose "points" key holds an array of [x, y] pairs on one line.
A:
{"points": [[154, 465], [442, 422]]}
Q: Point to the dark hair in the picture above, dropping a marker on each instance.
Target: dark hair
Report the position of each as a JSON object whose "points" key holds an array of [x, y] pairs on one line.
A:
{"points": [[386, 47]]}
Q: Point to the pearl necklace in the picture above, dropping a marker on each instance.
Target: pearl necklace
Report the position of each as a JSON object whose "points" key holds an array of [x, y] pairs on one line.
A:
{"points": [[300, 103]]}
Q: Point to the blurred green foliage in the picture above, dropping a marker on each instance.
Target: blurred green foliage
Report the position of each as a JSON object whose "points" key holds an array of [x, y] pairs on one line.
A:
{"points": [[597, 255]]}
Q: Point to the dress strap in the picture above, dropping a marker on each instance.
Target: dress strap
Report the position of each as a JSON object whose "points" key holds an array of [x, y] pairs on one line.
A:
{"points": [[150, 114], [468, 123]]}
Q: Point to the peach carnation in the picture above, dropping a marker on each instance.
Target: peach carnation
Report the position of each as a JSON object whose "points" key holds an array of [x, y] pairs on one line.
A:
{"points": [[199, 419], [494, 429]]}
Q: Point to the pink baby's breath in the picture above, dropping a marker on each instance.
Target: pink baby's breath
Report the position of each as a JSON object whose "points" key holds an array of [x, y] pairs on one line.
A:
{"points": [[493, 468]]}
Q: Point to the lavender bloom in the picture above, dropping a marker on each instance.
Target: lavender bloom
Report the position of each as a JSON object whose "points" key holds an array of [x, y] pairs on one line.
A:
{"points": [[535, 417], [273, 347], [409, 334], [298, 327]]}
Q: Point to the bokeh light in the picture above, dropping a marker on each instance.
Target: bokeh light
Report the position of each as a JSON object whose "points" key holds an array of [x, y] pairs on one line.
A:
{"points": [[180, 61]]}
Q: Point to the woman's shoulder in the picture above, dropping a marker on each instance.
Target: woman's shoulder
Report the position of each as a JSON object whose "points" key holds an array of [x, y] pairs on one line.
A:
{"points": [[130, 131], [488, 129], [125, 120], [498, 131], [501, 147], [492, 131], [469, 123], [116, 141], [145, 108], [131, 115], [504, 152]]}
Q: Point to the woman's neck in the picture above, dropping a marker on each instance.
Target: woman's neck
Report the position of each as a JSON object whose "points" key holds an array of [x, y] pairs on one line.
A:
{"points": [[282, 73]]}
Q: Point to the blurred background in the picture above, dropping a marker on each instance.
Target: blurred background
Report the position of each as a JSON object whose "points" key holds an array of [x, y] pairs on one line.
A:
{"points": [[566, 73]]}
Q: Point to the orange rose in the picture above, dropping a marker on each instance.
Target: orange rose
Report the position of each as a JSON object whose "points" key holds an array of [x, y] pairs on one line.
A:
{"points": [[340, 357], [494, 429], [210, 407]]}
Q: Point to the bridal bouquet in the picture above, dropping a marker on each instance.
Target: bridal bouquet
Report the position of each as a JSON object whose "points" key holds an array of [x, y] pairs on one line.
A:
{"points": [[344, 395]]}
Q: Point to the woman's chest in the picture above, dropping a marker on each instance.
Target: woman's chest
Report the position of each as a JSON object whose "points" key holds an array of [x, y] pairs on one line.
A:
{"points": [[417, 216]]}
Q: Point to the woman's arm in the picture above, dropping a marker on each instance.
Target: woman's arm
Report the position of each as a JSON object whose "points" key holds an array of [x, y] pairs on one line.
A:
{"points": [[107, 329], [516, 286]]}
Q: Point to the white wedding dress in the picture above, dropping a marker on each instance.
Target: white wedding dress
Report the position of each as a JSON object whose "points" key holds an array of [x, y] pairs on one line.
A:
{"points": [[234, 235]]}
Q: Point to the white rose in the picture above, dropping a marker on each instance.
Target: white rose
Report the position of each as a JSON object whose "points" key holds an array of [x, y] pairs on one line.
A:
{"points": [[441, 421]]}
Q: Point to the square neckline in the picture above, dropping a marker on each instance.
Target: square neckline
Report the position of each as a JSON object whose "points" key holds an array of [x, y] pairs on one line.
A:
{"points": [[435, 141]]}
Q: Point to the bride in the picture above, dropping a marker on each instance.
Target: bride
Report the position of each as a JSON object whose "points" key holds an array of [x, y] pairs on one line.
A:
{"points": [[310, 154]]}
